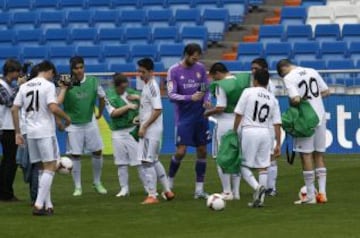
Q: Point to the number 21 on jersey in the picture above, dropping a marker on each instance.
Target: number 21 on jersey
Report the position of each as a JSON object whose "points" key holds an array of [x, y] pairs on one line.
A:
{"points": [[33, 105]]}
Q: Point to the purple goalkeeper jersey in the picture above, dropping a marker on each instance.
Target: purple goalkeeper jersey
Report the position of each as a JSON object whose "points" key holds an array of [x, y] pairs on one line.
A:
{"points": [[184, 82]]}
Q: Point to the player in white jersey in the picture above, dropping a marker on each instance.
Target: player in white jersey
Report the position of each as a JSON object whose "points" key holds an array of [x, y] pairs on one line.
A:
{"points": [[150, 133], [256, 110], [272, 171], [224, 122], [38, 96], [307, 84]]}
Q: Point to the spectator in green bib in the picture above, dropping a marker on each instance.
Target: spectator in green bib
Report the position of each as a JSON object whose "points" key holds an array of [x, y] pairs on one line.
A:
{"points": [[83, 135]]}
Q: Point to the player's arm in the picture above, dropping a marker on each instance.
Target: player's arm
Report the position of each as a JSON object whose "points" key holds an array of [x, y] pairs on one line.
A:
{"points": [[276, 119], [207, 96], [101, 95], [15, 111], [118, 112], [240, 110], [237, 121], [293, 92], [143, 127], [58, 112], [221, 103]]}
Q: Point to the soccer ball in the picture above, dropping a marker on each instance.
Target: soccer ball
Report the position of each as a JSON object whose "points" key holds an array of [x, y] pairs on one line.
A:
{"points": [[303, 193], [216, 202], [64, 165]]}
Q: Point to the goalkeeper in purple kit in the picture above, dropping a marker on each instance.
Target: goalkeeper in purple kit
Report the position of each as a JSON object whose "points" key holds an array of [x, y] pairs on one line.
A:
{"points": [[188, 90]]}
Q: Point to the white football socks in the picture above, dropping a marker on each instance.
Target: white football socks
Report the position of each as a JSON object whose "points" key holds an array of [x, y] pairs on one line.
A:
{"points": [[272, 175], [225, 180], [321, 178], [97, 162], [236, 185], [199, 187], [44, 188], [249, 177], [150, 179], [76, 172], [141, 173], [123, 176], [309, 178], [161, 175], [263, 178]]}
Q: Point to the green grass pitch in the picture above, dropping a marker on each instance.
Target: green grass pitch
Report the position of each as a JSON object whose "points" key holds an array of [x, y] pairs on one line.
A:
{"points": [[93, 215]]}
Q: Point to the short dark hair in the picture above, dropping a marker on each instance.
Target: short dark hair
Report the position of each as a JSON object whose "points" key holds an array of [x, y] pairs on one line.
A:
{"points": [[218, 67], [262, 62], [11, 65], [119, 78], [34, 72], [146, 63], [75, 60], [45, 66], [262, 76], [282, 63], [192, 48]]}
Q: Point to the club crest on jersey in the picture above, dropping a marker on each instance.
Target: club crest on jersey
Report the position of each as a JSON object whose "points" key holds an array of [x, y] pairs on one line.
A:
{"points": [[182, 77], [198, 75]]}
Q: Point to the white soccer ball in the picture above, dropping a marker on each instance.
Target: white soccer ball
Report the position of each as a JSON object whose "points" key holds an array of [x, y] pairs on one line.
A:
{"points": [[64, 165], [216, 202], [303, 193]]}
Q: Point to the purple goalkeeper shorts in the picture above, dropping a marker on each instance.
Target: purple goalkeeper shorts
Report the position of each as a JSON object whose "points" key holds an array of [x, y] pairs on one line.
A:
{"points": [[193, 133]]}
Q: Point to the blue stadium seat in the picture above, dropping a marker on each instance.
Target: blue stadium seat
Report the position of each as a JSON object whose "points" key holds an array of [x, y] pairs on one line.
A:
{"points": [[298, 33], [197, 35], [53, 19], [277, 51], [116, 54], [79, 19], [165, 35], [315, 64], [25, 20], [333, 50], [72, 4], [305, 51], [111, 36], [99, 4], [234, 65], [249, 51], [36, 53], [141, 51], [354, 50], [187, 17], [61, 54], [2, 5], [133, 18], [216, 21], [293, 15], [341, 64], [170, 54], [138, 35], [96, 68], [106, 18], [351, 32], [308, 3], [84, 36], [92, 54], [160, 18], [45, 4], [30, 37], [9, 52], [237, 10], [57, 36], [179, 4], [327, 33], [125, 4], [19, 5], [207, 4], [5, 20], [152, 4], [7, 37], [271, 34], [122, 68]]}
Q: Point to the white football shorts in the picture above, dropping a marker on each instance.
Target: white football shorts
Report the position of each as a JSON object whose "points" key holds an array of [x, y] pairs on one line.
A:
{"points": [[316, 142], [125, 148], [149, 149], [43, 149]]}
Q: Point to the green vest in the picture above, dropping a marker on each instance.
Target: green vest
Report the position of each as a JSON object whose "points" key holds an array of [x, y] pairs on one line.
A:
{"points": [[80, 101], [233, 88], [125, 120]]}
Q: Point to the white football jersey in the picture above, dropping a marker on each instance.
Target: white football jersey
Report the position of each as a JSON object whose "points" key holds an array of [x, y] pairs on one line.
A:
{"points": [[150, 100], [259, 108], [307, 83], [35, 96]]}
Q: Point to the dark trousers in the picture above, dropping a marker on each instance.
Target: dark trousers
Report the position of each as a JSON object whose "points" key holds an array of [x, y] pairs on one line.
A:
{"points": [[34, 182], [8, 164]]}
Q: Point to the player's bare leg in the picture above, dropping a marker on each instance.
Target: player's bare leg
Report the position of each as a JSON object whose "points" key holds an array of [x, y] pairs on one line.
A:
{"points": [[97, 163], [76, 174], [309, 178], [200, 169], [320, 173], [272, 177], [175, 163], [45, 184]]}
